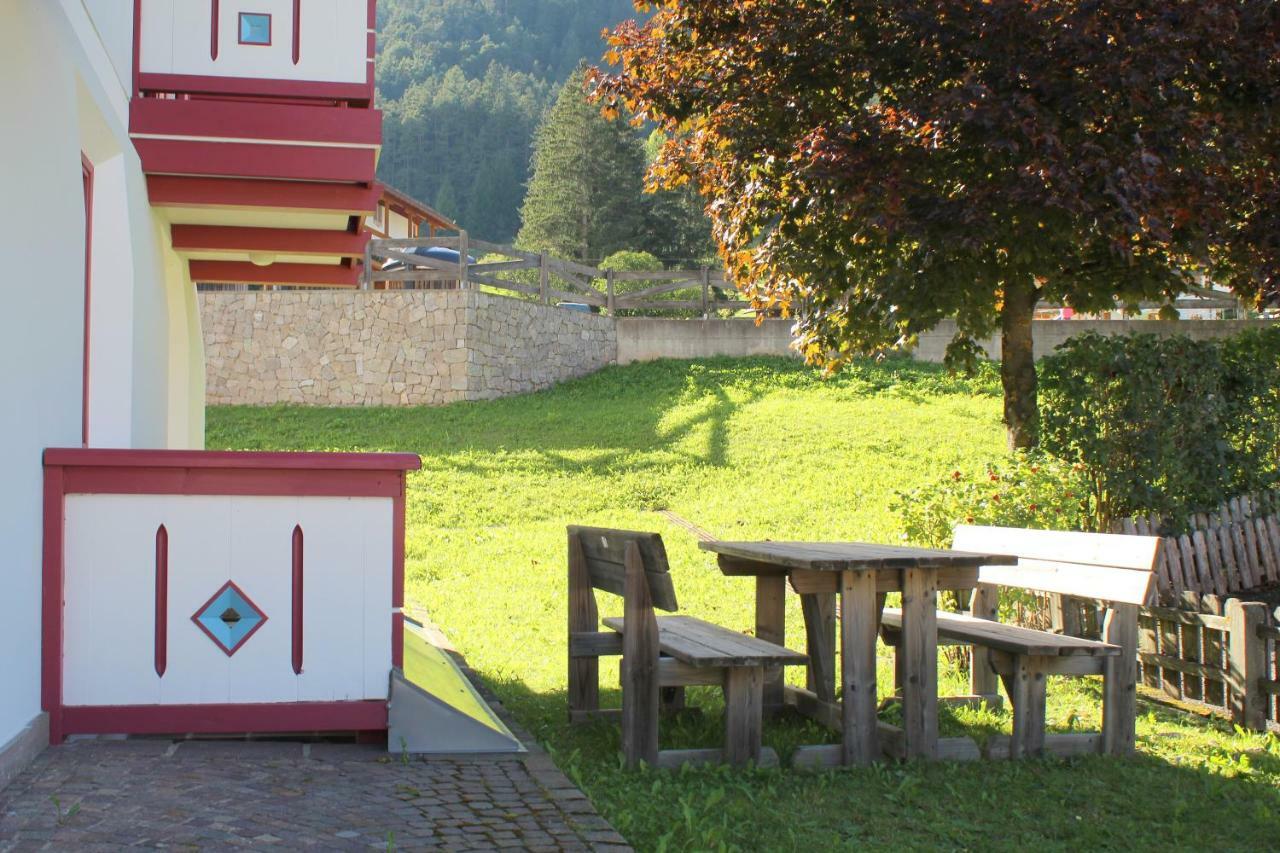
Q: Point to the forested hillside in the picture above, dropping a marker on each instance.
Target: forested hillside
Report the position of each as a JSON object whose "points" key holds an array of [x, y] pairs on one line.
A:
{"points": [[464, 83]]}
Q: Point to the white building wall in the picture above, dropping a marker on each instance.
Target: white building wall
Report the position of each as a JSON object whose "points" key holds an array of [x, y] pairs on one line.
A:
{"points": [[177, 38], [66, 97]]}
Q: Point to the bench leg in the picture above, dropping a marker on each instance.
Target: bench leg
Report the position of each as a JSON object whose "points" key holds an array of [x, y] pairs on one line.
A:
{"points": [[820, 627], [771, 597], [672, 699], [985, 604], [743, 711], [1120, 680], [1026, 686]]}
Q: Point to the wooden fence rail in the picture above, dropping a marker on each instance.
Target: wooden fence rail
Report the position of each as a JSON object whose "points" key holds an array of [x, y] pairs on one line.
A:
{"points": [[1214, 652], [547, 279]]}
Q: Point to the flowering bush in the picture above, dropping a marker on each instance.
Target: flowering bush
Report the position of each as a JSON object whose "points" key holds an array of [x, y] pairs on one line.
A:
{"points": [[1027, 490]]}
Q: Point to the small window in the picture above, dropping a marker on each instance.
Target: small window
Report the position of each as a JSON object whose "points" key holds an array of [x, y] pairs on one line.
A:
{"points": [[255, 28]]}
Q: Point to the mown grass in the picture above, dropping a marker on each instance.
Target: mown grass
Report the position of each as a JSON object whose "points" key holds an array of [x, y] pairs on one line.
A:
{"points": [[753, 448]]}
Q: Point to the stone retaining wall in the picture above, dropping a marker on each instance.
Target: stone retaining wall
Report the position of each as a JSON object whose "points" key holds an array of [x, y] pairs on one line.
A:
{"points": [[416, 347], [391, 348]]}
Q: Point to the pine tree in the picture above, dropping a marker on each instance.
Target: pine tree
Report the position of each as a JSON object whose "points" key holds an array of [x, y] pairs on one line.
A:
{"points": [[583, 199]]}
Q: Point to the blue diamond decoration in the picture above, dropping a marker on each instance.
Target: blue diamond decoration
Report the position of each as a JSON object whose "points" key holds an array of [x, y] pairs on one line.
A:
{"points": [[229, 618]]}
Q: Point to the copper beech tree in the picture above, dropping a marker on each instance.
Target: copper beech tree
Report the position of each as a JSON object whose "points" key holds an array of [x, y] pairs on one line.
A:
{"points": [[876, 166]]}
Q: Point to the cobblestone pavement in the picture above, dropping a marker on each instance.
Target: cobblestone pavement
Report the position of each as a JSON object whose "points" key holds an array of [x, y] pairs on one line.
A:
{"points": [[107, 794]]}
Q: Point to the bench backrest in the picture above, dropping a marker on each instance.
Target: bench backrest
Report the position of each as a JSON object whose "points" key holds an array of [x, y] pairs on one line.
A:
{"points": [[604, 552], [1104, 566]]}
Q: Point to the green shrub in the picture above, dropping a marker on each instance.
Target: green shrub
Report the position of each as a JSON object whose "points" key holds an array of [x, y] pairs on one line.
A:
{"points": [[1163, 425], [1027, 490]]}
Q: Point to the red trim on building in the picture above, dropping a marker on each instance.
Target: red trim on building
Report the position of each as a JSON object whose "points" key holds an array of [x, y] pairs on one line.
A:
{"points": [[162, 601], [373, 14], [298, 717], [191, 472], [195, 617], [191, 191], [297, 31], [298, 598], [137, 46], [243, 272], [359, 94], [255, 120], [86, 171], [51, 602], [240, 29], [213, 29], [290, 241], [252, 160]]}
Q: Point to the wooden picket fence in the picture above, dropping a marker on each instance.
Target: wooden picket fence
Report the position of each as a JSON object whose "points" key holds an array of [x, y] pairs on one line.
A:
{"points": [[556, 281], [1231, 550]]}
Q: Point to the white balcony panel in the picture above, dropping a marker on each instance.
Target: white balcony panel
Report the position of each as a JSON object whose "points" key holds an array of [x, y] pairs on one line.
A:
{"points": [[109, 588], [176, 38]]}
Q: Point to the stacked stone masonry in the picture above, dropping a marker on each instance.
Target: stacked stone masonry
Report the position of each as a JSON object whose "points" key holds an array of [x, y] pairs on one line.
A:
{"points": [[392, 348]]}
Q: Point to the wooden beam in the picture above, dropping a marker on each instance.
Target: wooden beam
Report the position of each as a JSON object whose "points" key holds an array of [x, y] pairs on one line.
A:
{"points": [[243, 272], [281, 241]]}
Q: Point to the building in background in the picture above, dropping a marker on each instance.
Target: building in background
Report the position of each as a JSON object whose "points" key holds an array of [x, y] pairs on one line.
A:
{"points": [[148, 145], [401, 217]]}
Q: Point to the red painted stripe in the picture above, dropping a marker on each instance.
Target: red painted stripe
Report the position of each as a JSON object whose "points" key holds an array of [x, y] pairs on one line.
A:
{"points": [[243, 272], [397, 640], [297, 599], [397, 550], [137, 45], [51, 596], [86, 168], [260, 120], [297, 30], [373, 14], [293, 241], [256, 87], [252, 160], [237, 459], [162, 600], [232, 481], [213, 29], [183, 191], [227, 719]]}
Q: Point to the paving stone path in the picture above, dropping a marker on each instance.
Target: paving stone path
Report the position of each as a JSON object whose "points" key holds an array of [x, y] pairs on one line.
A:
{"points": [[214, 795]]}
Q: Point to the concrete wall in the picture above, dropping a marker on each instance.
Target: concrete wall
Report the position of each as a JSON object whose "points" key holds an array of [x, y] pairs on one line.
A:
{"points": [[408, 347], [645, 338]]}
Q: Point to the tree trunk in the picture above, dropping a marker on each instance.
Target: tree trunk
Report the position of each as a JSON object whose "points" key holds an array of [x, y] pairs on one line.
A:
{"points": [[1018, 365]]}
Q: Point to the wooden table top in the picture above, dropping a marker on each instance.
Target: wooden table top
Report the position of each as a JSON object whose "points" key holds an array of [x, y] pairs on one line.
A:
{"points": [[853, 556]]}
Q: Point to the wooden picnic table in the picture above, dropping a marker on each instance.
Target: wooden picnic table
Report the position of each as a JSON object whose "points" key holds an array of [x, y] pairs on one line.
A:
{"points": [[860, 574]]}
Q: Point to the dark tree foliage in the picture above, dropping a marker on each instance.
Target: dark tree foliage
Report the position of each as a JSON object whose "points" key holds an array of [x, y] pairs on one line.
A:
{"points": [[889, 163], [463, 84], [584, 193]]}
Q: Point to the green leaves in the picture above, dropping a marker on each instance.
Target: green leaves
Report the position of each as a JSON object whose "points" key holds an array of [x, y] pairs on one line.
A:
{"points": [[1164, 425]]}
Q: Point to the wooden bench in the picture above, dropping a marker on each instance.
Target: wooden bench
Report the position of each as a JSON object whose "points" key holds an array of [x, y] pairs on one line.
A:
{"points": [[1117, 571], [659, 654]]}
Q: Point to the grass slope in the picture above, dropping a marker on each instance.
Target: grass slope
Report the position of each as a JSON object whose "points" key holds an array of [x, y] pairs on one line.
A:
{"points": [[752, 448]]}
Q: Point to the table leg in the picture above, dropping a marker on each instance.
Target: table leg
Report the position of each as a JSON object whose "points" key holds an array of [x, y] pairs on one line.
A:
{"points": [[771, 596], [820, 633], [858, 667], [919, 653]]}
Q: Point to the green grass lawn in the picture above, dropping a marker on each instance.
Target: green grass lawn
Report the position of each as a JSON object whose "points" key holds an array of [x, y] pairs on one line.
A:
{"points": [[753, 448]]}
